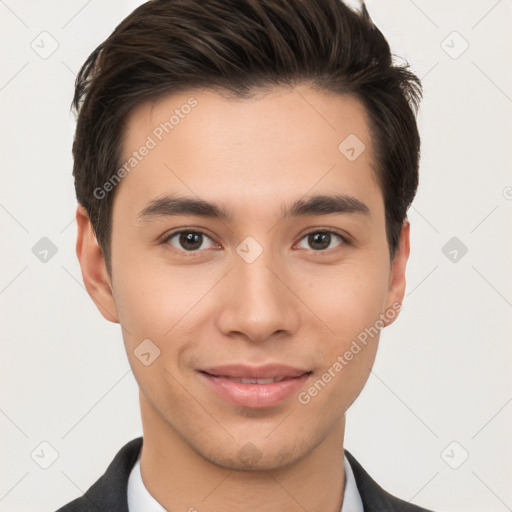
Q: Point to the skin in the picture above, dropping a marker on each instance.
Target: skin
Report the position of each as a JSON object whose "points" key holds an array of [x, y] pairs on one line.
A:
{"points": [[295, 304]]}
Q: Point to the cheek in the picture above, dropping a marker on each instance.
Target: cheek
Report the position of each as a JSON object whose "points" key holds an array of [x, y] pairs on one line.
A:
{"points": [[158, 305], [347, 298], [337, 385], [351, 309], [157, 301]]}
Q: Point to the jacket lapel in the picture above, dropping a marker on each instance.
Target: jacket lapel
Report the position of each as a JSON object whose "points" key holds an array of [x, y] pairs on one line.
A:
{"points": [[373, 496]]}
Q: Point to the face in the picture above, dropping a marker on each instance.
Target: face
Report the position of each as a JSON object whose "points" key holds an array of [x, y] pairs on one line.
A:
{"points": [[249, 251]]}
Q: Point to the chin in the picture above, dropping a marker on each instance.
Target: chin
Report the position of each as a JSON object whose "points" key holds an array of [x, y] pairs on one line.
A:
{"points": [[258, 454]]}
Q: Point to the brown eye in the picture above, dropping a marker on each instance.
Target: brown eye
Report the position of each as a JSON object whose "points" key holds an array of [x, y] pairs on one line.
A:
{"points": [[321, 240], [190, 240]]}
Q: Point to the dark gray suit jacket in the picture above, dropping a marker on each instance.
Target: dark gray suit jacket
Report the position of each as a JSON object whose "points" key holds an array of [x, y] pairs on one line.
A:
{"points": [[110, 492]]}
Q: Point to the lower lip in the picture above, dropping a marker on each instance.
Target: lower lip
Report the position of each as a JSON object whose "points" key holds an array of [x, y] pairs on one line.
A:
{"points": [[256, 396]]}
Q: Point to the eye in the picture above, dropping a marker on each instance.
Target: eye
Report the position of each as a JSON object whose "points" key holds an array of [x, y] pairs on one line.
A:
{"points": [[322, 240], [190, 241]]}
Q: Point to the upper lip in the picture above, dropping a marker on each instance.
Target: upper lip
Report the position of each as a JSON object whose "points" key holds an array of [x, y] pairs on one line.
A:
{"points": [[269, 371]]}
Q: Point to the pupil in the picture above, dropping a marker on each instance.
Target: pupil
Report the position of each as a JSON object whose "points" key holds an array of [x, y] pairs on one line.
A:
{"points": [[319, 240], [190, 241]]}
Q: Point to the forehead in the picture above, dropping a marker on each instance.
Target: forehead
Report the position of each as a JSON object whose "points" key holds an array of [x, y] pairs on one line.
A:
{"points": [[284, 143]]}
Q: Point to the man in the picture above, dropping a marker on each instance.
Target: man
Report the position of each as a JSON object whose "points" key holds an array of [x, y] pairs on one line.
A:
{"points": [[243, 170]]}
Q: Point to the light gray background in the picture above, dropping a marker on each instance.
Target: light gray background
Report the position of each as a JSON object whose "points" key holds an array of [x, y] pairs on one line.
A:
{"points": [[443, 370]]}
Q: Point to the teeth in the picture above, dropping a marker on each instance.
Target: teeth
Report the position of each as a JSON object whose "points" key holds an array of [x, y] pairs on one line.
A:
{"points": [[257, 381]]}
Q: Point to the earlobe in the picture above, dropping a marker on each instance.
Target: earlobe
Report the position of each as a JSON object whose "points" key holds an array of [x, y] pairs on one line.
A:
{"points": [[94, 270], [397, 279]]}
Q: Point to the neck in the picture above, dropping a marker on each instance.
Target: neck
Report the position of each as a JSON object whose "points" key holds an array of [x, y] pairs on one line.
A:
{"points": [[181, 479]]}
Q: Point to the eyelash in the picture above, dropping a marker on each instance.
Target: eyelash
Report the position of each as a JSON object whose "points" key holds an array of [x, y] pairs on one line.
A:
{"points": [[191, 254]]}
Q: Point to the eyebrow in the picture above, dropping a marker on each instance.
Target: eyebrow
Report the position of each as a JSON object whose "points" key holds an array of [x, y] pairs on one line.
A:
{"points": [[174, 205]]}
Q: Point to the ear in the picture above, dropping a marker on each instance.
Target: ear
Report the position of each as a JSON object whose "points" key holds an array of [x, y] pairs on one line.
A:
{"points": [[94, 270], [396, 289]]}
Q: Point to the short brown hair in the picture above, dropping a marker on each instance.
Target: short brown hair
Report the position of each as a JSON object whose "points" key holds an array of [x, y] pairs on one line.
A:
{"points": [[240, 47]]}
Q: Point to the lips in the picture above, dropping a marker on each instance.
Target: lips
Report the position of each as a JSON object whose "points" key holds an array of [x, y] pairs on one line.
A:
{"points": [[255, 387], [269, 371], [256, 381]]}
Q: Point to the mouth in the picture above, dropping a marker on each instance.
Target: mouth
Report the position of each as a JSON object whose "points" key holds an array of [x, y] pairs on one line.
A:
{"points": [[250, 381], [255, 387]]}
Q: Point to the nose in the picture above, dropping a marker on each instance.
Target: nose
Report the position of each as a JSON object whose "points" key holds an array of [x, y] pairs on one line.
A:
{"points": [[257, 302]]}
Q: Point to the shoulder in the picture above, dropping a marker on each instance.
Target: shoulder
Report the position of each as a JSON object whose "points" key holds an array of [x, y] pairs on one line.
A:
{"points": [[374, 497], [109, 492]]}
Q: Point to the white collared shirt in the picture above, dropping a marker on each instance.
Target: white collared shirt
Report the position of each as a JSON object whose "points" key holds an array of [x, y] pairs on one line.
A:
{"points": [[139, 499]]}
